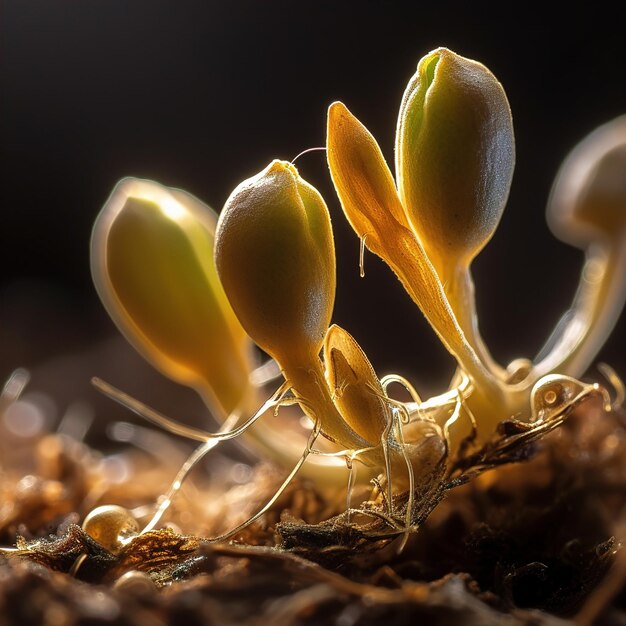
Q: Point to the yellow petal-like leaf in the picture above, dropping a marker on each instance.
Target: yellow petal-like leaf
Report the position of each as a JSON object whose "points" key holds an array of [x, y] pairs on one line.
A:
{"points": [[357, 391], [361, 176]]}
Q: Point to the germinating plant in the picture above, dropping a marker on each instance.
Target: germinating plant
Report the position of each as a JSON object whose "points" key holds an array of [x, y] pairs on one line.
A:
{"points": [[194, 293]]}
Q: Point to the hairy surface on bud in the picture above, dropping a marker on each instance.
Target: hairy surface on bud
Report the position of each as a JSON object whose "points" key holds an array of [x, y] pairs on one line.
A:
{"points": [[454, 155], [276, 259]]}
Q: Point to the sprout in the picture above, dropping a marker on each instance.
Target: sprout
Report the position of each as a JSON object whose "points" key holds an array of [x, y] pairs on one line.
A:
{"points": [[454, 163], [587, 208], [275, 256], [369, 199], [152, 264]]}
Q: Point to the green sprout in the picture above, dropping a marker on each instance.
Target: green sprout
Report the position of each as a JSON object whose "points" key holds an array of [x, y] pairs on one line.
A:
{"points": [[193, 295], [145, 241]]}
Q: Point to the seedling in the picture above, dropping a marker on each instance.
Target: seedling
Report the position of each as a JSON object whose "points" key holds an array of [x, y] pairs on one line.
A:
{"points": [[273, 284]]}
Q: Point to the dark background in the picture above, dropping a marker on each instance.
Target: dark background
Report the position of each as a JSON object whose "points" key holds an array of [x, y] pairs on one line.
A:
{"points": [[202, 94]]}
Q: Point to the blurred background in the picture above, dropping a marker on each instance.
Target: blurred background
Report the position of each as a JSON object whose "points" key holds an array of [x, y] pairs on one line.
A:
{"points": [[200, 94]]}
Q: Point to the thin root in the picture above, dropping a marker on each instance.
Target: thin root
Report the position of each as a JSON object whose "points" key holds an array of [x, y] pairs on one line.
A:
{"points": [[195, 457], [311, 440], [385, 381], [180, 429]]}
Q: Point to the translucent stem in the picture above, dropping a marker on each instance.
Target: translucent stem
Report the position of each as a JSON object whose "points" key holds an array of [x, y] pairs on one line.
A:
{"points": [[409, 466], [148, 413], [596, 308], [385, 381], [459, 288], [352, 469], [384, 440]]}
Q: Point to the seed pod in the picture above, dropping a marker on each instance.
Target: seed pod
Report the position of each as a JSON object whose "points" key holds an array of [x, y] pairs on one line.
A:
{"points": [[152, 264], [275, 256], [357, 392], [111, 526], [454, 156]]}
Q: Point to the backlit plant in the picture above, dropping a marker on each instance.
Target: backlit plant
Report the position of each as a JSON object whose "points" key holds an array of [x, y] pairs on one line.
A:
{"points": [[193, 293]]}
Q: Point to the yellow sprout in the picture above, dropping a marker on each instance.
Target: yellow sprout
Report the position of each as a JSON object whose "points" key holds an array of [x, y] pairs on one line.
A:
{"points": [[276, 259], [455, 155], [357, 392], [370, 201]]}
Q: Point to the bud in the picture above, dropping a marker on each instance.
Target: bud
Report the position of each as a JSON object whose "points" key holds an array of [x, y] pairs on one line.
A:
{"points": [[588, 201], [275, 256], [111, 526], [357, 392], [587, 208], [152, 264], [454, 156]]}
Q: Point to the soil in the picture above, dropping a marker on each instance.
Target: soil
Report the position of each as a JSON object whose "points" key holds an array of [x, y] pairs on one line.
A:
{"points": [[533, 542]]}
